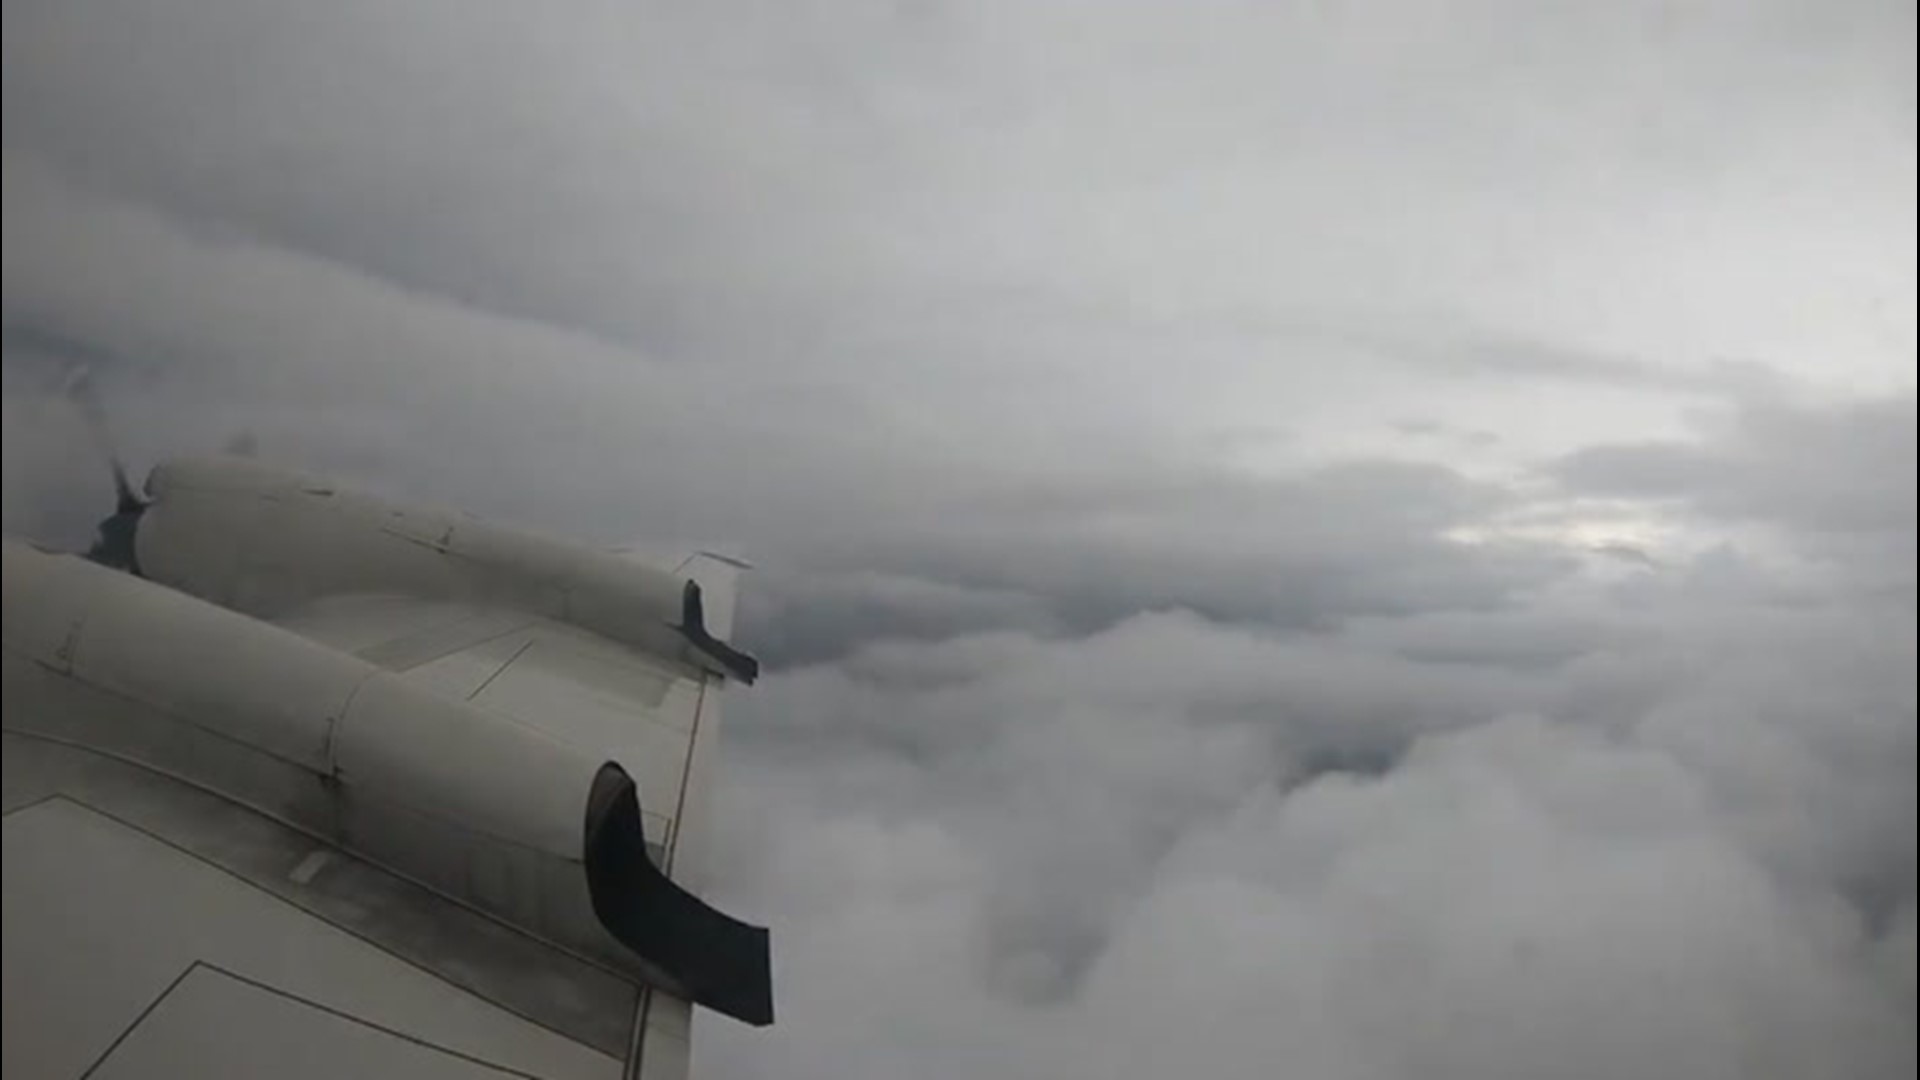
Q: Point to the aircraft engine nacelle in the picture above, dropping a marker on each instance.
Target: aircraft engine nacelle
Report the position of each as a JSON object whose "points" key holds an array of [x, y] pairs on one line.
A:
{"points": [[468, 803], [265, 541]]}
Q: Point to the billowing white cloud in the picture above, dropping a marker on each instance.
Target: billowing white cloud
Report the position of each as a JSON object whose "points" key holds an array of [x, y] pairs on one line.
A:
{"points": [[1685, 844]]}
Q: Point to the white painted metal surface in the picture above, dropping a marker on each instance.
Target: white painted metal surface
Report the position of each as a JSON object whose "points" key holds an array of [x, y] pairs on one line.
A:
{"points": [[483, 808], [232, 676], [603, 699], [101, 921], [584, 1002], [266, 542], [184, 898]]}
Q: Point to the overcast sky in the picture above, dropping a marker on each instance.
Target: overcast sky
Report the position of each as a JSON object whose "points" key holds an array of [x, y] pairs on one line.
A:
{"points": [[1339, 541]]}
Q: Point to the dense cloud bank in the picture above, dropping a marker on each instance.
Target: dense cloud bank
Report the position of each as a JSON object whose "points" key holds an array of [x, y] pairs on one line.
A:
{"points": [[1662, 826], [1290, 543]]}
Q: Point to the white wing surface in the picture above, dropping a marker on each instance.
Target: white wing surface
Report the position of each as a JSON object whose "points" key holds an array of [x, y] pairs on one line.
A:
{"points": [[319, 786]]}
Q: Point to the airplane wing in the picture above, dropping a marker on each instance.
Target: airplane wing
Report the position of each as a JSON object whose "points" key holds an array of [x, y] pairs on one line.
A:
{"points": [[299, 783]]}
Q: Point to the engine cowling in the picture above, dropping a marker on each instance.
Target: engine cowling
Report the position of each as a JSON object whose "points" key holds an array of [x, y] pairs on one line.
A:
{"points": [[265, 541], [471, 804]]}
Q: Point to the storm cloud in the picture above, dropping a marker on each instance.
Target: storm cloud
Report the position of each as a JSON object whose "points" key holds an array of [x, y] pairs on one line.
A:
{"points": [[1293, 540]]}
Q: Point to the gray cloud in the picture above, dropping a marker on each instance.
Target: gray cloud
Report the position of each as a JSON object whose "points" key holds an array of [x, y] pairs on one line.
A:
{"points": [[1151, 697], [1846, 470], [1650, 854]]}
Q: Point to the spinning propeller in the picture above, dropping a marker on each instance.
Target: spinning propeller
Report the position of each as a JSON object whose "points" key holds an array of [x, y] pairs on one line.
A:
{"points": [[113, 539]]}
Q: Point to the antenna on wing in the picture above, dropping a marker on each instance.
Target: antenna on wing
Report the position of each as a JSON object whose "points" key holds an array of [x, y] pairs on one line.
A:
{"points": [[113, 543]]}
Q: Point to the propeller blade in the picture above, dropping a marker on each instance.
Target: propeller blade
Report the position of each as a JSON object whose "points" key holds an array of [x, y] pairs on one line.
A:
{"points": [[113, 544], [80, 390]]}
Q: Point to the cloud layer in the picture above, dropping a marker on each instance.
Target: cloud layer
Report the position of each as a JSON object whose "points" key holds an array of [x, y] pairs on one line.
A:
{"points": [[1291, 542]]}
